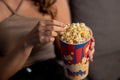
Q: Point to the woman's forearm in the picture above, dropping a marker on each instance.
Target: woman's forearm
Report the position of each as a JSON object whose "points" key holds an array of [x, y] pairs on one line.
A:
{"points": [[10, 64]]}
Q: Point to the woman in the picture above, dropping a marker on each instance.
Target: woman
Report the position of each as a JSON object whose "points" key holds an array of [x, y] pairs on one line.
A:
{"points": [[24, 20], [31, 29]]}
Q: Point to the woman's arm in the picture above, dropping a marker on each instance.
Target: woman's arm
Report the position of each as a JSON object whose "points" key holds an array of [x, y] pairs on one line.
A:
{"points": [[63, 15], [10, 64], [44, 32], [63, 12]]}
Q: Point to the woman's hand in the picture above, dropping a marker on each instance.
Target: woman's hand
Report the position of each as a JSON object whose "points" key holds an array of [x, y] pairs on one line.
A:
{"points": [[92, 49], [44, 32]]}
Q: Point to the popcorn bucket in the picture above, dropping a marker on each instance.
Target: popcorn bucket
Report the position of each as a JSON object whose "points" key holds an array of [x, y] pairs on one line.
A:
{"points": [[76, 59]]}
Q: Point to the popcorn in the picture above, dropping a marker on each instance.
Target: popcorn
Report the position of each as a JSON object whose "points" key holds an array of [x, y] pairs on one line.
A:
{"points": [[76, 55], [76, 33]]}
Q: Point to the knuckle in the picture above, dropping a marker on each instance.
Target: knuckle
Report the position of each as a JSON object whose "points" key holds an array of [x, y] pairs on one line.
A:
{"points": [[39, 28], [49, 22], [41, 39], [42, 23], [49, 27], [54, 21], [52, 27], [49, 33]]}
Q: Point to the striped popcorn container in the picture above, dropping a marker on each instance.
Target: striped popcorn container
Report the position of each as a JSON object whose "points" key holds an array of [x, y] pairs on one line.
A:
{"points": [[76, 59]]}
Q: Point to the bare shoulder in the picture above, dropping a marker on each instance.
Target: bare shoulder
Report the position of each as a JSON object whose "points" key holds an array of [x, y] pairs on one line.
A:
{"points": [[63, 12], [61, 1]]}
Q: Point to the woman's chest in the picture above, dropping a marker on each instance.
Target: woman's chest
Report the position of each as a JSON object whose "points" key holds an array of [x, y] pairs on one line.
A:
{"points": [[27, 9]]}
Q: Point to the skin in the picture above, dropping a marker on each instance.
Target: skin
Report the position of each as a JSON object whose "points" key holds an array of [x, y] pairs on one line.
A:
{"points": [[92, 49], [18, 56]]}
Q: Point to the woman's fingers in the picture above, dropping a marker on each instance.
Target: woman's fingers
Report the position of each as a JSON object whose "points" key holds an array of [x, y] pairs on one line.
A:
{"points": [[56, 26], [46, 31], [45, 39], [58, 23], [92, 49], [92, 45], [91, 53], [52, 22], [58, 29]]}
